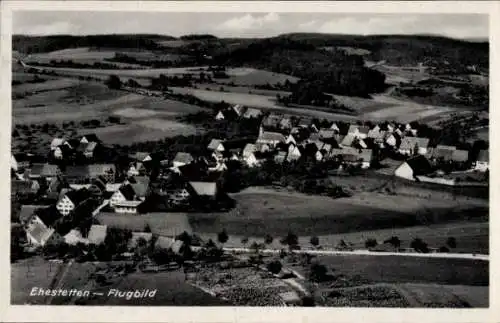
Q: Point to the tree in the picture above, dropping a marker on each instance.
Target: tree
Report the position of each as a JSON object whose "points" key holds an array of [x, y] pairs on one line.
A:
{"points": [[113, 82], [318, 272], [370, 243], [394, 241], [451, 242], [268, 239], [244, 240], [314, 241], [419, 245], [274, 267], [291, 240], [147, 228], [222, 237]]}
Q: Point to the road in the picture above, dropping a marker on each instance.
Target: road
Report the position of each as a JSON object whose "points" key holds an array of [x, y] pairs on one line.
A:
{"points": [[58, 279], [371, 253]]}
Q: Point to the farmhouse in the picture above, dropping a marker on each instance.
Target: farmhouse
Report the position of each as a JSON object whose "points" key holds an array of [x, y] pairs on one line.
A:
{"points": [[216, 145], [88, 138], [413, 145], [252, 113], [37, 233], [70, 200], [482, 161], [56, 142], [414, 166], [270, 138], [182, 159]]}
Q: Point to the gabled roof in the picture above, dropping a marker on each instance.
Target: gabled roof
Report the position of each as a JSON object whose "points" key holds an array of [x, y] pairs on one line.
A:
{"points": [[460, 155], [483, 156], [91, 147], [91, 137], [214, 144], [204, 188], [348, 140], [40, 232], [65, 149], [78, 196], [57, 142], [182, 157], [353, 128], [252, 113], [271, 136], [364, 129], [238, 109], [45, 170], [420, 165], [140, 188], [97, 234], [140, 156], [249, 148], [411, 142], [27, 212], [73, 143], [128, 192]]}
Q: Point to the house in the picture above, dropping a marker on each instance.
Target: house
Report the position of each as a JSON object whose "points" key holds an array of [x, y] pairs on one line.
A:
{"points": [[262, 148], [392, 139], [37, 233], [74, 237], [252, 113], [444, 153], [56, 142], [127, 207], [271, 121], [348, 140], [285, 123], [141, 156], [219, 116], [482, 161], [216, 145], [182, 159], [326, 133], [89, 151], [166, 243], [23, 187], [358, 131], [63, 151], [292, 139], [88, 138], [270, 138], [413, 145], [28, 211], [248, 149], [97, 234], [70, 200], [335, 128], [204, 189], [366, 157], [238, 109], [293, 153], [48, 171], [19, 161], [460, 156], [84, 174], [280, 157], [251, 160], [73, 143], [414, 166]]}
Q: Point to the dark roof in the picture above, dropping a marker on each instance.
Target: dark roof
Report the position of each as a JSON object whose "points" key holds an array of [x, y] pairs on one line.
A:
{"points": [[20, 186], [48, 215], [420, 165], [483, 156], [78, 196], [66, 150], [127, 191], [20, 157], [74, 143], [28, 210]]}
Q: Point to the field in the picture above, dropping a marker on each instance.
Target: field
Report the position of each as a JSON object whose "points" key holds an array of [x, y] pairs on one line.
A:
{"points": [[390, 269], [57, 84], [172, 290], [269, 212], [29, 273], [251, 76]]}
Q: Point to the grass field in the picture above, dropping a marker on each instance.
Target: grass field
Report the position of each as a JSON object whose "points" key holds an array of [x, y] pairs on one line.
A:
{"points": [[28, 273], [251, 76], [433, 295], [275, 213], [57, 84], [172, 290], [390, 269]]}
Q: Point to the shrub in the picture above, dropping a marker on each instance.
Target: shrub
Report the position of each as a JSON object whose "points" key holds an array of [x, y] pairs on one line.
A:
{"points": [[222, 237], [419, 245], [451, 242], [268, 239], [371, 243], [314, 241], [318, 272], [444, 249], [274, 267], [394, 241]]}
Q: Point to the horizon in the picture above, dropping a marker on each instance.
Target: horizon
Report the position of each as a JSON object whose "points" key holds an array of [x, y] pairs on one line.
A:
{"points": [[249, 25]]}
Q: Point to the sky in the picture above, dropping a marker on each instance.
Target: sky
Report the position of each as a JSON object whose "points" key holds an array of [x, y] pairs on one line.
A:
{"points": [[463, 26]]}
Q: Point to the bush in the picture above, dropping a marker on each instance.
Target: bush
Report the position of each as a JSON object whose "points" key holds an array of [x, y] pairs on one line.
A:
{"points": [[444, 249], [222, 237], [274, 267], [419, 245], [394, 241], [371, 243], [268, 239], [318, 273], [451, 242], [290, 240], [314, 241]]}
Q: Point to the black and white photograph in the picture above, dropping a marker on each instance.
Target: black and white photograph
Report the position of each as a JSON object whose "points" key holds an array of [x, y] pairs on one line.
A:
{"points": [[249, 159]]}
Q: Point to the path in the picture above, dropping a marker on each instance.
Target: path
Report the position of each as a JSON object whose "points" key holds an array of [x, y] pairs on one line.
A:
{"points": [[58, 279]]}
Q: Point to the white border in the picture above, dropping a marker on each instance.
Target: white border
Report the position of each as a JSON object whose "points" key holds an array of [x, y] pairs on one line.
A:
{"points": [[242, 314]]}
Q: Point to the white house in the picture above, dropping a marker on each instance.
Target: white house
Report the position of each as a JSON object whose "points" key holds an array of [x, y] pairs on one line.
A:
{"points": [[270, 138], [70, 200], [251, 160], [219, 116], [293, 153], [56, 142], [482, 161], [37, 233], [126, 207], [249, 149], [414, 166]]}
